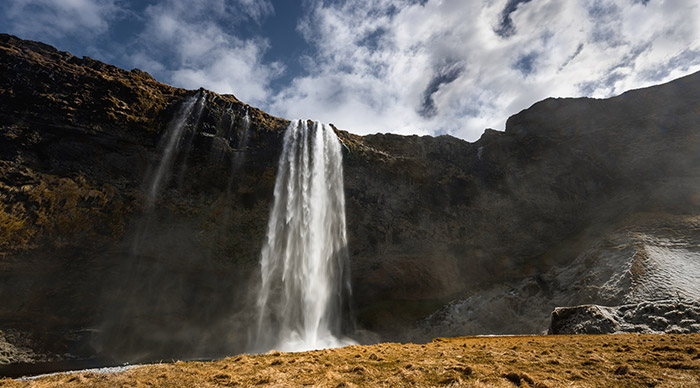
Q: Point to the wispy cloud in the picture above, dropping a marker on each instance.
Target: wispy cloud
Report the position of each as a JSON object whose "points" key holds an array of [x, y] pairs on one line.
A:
{"points": [[458, 67], [194, 44], [256, 9], [52, 18]]}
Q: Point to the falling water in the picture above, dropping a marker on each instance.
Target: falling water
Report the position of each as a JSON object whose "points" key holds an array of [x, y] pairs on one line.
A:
{"points": [[242, 143], [173, 134], [236, 163], [304, 259], [189, 138], [220, 139]]}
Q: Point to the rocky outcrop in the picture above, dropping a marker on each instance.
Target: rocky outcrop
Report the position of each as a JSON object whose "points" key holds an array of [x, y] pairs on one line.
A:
{"points": [[15, 349], [657, 317], [637, 258], [578, 201]]}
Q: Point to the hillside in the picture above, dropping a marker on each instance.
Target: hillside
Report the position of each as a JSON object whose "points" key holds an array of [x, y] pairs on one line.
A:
{"points": [[578, 201]]}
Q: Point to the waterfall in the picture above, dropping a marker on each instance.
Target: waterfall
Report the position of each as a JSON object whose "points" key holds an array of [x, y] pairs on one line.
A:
{"points": [[159, 176], [304, 257], [242, 146], [172, 138]]}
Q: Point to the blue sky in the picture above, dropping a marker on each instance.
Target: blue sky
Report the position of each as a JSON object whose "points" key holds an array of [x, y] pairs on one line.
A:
{"points": [[405, 66]]}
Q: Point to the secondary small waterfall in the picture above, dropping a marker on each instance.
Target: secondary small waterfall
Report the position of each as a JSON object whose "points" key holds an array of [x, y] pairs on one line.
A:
{"points": [[304, 257], [173, 137], [242, 142]]}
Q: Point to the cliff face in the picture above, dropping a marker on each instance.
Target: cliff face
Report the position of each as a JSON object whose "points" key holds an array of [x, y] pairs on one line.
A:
{"points": [[518, 221], [504, 228], [86, 268]]}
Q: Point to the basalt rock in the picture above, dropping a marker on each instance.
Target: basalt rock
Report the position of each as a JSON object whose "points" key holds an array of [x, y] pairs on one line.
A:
{"points": [[78, 140], [554, 211], [637, 258], [658, 317]]}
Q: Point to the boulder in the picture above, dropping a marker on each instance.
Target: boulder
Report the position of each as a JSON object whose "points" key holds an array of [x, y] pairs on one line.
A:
{"points": [[653, 317]]}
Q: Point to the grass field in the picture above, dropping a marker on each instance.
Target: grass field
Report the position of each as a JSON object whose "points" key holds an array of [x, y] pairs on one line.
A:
{"points": [[628, 360]]}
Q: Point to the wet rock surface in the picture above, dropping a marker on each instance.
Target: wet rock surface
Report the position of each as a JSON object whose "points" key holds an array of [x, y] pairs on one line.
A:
{"points": [[15, 348], [659, 317]]}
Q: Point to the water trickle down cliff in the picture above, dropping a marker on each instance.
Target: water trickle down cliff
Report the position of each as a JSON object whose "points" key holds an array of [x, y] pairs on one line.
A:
{"points": [[237, 161], [239, 157], [146, 293], [190, 110], [303, 259], [171, 145], [573, 192]]}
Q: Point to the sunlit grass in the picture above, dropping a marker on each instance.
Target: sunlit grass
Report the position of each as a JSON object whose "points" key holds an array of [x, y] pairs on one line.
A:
{"points": [[528, 361]]}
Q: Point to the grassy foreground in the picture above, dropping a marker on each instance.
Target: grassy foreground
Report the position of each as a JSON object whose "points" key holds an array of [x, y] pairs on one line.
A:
{"points": [[529, 361]]}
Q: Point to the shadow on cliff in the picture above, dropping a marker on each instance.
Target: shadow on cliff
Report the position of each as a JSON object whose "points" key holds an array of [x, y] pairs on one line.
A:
{"points": [[176, 289]]}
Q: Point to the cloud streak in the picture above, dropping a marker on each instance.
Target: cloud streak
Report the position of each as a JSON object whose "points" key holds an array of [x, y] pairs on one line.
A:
{"points": [[48, 18]]}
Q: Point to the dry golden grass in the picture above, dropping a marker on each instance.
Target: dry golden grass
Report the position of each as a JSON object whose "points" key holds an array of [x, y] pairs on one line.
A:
{"points": [[528, 361]]}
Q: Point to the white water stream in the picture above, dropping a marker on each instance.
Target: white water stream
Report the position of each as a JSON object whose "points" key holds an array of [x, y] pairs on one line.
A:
{"points": [[303, 260], [173, 136]]}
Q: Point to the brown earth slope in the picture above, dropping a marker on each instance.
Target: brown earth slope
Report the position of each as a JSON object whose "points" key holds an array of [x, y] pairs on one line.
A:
{"points": [[529, 361]]}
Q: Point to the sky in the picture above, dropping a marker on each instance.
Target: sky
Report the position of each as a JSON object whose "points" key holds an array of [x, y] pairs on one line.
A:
{"points": [[420, 67]]}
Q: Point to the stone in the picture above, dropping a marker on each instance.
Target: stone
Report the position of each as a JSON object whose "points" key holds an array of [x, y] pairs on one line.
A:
{"points": [[630, 318]]}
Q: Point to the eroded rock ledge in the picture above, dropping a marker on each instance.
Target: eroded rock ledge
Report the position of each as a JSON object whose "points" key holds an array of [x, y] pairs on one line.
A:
{"points": [[658, 317]]}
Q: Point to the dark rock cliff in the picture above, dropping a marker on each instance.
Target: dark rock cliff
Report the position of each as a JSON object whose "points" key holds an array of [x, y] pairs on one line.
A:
{"points": [[504, 229], [79, 140], [437, 217]]}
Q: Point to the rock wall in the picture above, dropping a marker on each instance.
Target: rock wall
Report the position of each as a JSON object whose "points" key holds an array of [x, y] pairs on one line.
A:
{"points": [[438, 219], [79, 141], [507, 227]]}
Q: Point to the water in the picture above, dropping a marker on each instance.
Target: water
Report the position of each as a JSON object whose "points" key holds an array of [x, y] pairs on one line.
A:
{"points": [[196, 115], [172, 136], [241, 136], [304, 257], [220, 139], [239, 157], [147, 293]]}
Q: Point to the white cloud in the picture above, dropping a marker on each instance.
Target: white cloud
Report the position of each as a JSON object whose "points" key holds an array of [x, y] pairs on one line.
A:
{"points": [[256, 9], [233, 70], [441, 67], [404, 66], [49, 19], [193, 44]]}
